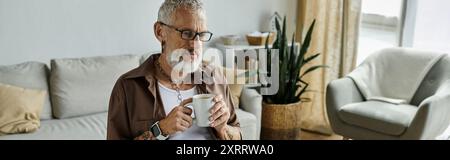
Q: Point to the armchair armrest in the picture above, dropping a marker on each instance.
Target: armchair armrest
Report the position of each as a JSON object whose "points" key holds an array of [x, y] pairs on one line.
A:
{"points": [[251, 101], [432, 118], [340, 93]]}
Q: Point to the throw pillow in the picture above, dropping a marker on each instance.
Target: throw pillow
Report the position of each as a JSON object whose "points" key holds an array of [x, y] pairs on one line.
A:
{"points": [[20, 109]]}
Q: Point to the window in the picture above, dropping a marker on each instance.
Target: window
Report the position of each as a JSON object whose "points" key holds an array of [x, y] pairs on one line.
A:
{"points": [[381, 22], [416, 24], [431, 26]]}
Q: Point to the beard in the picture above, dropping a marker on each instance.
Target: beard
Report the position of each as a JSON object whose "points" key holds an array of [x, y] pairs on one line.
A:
{"points": [[184, 62]]}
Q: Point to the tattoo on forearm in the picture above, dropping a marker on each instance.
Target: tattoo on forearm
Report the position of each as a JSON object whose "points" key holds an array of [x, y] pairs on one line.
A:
{"points": [[145, 136], [229, 134]]}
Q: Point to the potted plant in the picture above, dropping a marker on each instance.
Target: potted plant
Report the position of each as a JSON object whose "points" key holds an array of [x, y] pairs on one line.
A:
{"points": [[280, 112]]}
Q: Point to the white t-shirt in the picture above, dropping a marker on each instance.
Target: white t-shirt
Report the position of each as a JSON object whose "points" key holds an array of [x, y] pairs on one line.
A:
{"points": [[169, 99]]}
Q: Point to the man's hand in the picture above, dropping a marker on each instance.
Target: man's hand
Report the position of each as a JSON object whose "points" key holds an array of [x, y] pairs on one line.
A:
{"points": [[178, 120], [220, 113]]}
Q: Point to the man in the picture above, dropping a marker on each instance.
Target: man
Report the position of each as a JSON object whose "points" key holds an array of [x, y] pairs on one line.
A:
{"points": [[148, 103]]}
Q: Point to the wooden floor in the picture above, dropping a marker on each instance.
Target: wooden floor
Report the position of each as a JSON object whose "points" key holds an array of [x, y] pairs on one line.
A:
{"points": [[307, 135]]}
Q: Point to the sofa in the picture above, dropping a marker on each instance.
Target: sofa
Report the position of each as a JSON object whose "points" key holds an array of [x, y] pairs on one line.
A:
{"points": [[78, 91], [425, 117]]}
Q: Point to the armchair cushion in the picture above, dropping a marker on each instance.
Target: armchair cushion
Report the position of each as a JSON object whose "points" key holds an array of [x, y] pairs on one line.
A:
{"points": [[394, 75], [379, 116]]}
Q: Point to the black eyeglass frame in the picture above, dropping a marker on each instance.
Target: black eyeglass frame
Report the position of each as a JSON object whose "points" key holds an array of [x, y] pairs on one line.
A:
{"points": [[187, 30]]}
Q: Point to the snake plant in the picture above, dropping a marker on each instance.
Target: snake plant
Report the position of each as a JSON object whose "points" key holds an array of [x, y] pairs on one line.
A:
{"points": [[292, 86]]}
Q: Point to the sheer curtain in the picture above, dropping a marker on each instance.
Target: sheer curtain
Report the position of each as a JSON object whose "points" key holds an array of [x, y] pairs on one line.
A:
{"points": [[335, 36]]}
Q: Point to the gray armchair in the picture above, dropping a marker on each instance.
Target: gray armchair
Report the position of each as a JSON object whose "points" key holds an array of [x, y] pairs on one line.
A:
{"points": [[426, 117]]}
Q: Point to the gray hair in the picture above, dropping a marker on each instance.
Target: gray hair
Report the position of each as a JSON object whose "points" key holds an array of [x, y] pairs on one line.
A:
{"points": [[169, 6]]}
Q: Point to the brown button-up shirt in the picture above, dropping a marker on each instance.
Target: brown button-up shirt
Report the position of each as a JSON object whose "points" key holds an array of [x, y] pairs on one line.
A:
{"points": [[135, 102]]}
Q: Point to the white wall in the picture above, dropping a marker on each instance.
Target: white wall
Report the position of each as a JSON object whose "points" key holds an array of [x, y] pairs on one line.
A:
{"points": [[432, 26], [40, 30]]}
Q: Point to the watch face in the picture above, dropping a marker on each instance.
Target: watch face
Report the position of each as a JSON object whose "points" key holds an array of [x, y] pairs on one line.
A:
{"points": [[155, 130]]}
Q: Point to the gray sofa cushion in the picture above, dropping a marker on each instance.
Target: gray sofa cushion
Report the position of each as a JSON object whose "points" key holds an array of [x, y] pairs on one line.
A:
{"points": [[379, 116], [83, 86], [92, 127], [32, 75]]}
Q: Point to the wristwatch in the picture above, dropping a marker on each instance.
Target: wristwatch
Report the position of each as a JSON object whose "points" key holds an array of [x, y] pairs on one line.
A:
{"points": [[156, 130]]}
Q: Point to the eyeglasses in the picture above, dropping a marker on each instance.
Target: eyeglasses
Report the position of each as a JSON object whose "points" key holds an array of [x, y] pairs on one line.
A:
{"points": [[191, 35]]}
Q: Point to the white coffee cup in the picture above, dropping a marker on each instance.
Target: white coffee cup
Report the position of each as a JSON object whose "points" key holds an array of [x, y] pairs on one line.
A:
{"points": [[201, 104]]}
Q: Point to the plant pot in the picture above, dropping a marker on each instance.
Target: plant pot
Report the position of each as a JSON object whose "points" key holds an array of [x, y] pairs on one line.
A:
{"points": [[281, 122]]}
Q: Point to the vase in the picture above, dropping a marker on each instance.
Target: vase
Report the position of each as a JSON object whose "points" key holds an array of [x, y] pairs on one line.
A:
{"points": [[281, 122]]}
